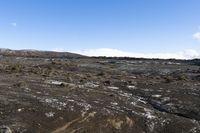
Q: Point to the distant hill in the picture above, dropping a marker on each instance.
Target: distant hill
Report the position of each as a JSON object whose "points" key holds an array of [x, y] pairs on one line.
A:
{"points": [[38, 53]]}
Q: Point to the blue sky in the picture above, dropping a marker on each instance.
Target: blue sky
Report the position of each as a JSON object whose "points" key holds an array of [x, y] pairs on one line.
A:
{"points": [[134, 26]]}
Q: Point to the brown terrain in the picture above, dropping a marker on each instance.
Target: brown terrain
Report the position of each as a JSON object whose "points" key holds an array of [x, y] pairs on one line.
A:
{"points": [[49, 92]]}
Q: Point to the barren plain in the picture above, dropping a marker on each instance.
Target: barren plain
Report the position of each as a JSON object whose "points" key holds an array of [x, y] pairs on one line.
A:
{"points": [[53, 93]]}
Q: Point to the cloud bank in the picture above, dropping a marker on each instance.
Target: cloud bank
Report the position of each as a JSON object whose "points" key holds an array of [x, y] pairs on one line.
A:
{"points": [[108, 52]]}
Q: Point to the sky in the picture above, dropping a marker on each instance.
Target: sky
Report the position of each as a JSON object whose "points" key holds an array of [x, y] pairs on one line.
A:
{"points": [[136, 28]]}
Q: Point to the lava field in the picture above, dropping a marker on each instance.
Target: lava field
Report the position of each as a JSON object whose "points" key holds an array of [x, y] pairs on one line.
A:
{"points": [[99, 95]]}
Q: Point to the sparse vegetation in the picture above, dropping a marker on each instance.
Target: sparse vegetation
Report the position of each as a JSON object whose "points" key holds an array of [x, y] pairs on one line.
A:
{"points": [[124, 95], [182, 77]]}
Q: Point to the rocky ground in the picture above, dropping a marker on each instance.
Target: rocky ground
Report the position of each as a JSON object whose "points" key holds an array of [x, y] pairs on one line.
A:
{"points": [[99, 95]]}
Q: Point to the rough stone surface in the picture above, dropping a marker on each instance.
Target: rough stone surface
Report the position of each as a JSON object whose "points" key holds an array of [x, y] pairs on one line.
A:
{"points": [[99, 95]]}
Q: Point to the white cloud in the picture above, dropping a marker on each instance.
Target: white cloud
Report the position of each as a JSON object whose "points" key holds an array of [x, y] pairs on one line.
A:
{"points": [[186, 54], [197, 36], [58, 50], [14, 24]]}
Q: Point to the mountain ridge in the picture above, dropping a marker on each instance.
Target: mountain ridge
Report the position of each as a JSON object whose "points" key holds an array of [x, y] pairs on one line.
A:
{"points": [[38, 53]]}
